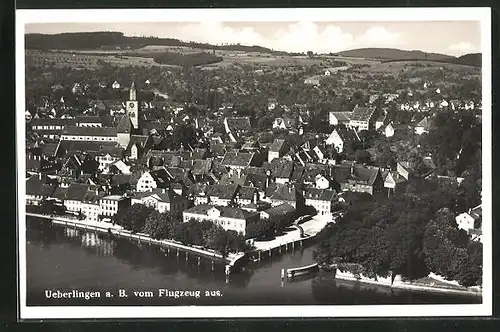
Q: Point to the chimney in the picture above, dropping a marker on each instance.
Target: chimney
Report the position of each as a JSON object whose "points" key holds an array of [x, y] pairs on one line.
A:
{"points": [[163, 191], [40, 177], [352, 170]]}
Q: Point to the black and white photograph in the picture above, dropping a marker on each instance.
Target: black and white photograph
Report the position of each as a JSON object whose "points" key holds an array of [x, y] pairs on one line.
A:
{"points": [[232, 163]]}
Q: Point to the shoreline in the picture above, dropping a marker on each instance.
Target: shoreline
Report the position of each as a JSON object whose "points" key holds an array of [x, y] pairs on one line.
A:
{"points": [[405, 285], [116, 230]]}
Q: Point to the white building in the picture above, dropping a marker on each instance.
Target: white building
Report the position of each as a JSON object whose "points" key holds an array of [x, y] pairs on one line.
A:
{"points": [[467, 220], [321, 199], [111, 204], [228, 218]]}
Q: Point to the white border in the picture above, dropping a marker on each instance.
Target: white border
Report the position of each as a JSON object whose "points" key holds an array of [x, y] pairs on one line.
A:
{"points": [[258, 15]]}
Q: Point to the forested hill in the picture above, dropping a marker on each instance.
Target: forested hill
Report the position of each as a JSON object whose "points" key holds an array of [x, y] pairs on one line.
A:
{"points": [[393, 54], [112, 40]]}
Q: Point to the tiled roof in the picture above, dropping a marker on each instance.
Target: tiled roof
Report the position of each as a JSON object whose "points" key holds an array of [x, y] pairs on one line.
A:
{"points": [[202, 167], [239, 123], [236, 158], [53, 122], [88, 119], [86, 146], [246, 192], [48, 149], [222, 191], [281, 168], [76, 192], [284, 192], [160, 176], [362, 113], [280, 210], [90, 131], [124, 125], [225, 212], [320, 194], [277, 145], [341, 116], [364, 174]]}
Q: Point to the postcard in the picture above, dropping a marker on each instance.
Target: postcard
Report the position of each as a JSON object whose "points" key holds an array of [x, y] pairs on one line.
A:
{"points": [[245, 163]]}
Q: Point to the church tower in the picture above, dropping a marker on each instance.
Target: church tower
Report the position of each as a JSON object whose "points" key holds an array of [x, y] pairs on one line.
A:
{"points": [[133, 107]]}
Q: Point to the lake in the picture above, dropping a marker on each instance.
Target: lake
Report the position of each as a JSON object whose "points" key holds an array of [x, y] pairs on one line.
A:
{"points": [[66, 259]]}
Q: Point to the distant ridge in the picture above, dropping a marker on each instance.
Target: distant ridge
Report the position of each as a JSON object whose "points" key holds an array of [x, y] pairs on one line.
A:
{"points": [[393, 54], [114, 40]]}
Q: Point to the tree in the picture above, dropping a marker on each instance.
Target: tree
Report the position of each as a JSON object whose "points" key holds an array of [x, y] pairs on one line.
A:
{"points": [[363, 156], [133, 218], [228, 241], [261, 229], [310, 54], [158, 225], [449, 252]]}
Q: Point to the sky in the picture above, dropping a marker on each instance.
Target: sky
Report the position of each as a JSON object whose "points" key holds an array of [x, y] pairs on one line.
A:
{"points": [[453, 37]]}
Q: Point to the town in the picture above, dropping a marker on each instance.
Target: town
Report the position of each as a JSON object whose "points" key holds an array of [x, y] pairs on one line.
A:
{"points": [[381, 160]]}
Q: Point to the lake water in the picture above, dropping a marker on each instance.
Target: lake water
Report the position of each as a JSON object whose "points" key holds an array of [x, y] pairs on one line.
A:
{"points": [[64, 259]]}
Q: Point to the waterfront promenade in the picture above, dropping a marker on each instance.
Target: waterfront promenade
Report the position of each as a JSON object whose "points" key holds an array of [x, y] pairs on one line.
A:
{"points": [[106, 227]]}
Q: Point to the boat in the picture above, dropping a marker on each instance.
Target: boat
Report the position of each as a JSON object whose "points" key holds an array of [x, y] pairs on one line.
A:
{"points": [[299, 271]]}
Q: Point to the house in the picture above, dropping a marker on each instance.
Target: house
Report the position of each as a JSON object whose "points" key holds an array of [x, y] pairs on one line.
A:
{"points": [[117, 167], [246, 195], [152, 180], [338, 118], [285, 193], [340, 137], [404, 169], [361, 118], [358, 178], [90, 206], [75, 194], [322, 200], [237, 127], [116, 85], [379, 122], [166, 201], [322, 182], [470, 221], [284, 123], [277, 149], [229, 218], [50, 128], [37, 190], [392, 180], [313, 80], [138, 146], [281, 170], [278, 213], [75, 133], [423, 126], [222, 195], [108, 156], [389, 130], [110, 205], [236, 160]]}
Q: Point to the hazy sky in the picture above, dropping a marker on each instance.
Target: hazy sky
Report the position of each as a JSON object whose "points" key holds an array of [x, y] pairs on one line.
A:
{"points": [[453, 37]]}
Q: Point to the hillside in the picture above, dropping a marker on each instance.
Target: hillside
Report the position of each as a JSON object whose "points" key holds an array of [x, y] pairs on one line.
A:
{"points": [[117, 40], [393, 54], [473, 59]]}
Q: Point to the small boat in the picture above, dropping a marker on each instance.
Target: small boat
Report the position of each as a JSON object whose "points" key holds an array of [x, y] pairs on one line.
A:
{"points": [[295, 272]]}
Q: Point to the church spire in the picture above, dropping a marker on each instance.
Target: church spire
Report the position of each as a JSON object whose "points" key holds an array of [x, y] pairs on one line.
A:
{"points": [[133, 92]]}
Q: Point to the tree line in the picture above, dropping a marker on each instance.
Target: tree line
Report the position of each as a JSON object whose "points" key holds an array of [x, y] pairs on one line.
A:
{"points": [[142, 218], [411, 234]]}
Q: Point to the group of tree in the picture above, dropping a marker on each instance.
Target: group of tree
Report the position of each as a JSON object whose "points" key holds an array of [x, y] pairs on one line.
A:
{"points": [[141, 218], [404, 235], [187, 60]]}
